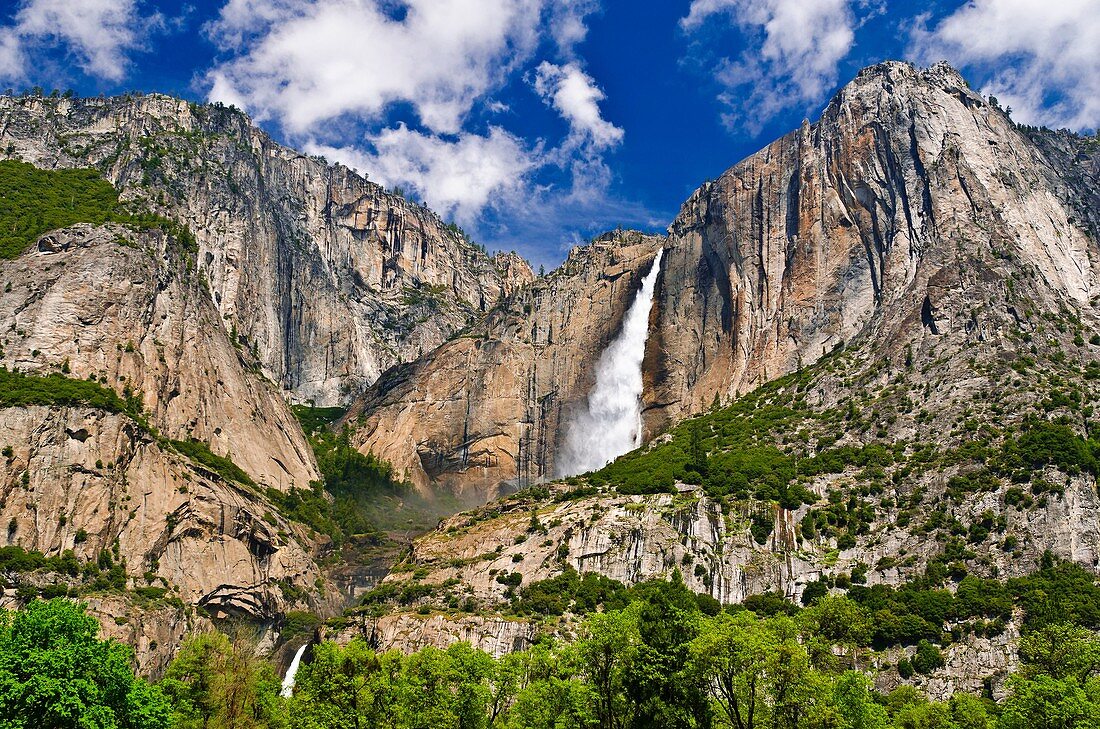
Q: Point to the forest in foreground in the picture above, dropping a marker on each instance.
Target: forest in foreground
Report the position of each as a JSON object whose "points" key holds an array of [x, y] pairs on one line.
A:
{"points": [[662, 657]]}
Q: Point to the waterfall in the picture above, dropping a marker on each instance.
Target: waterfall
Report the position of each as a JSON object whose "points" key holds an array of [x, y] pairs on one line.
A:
{"points": [[288, 681], [611, 423]]}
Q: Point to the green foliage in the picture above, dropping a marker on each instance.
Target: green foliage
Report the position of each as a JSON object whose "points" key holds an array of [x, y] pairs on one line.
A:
{"points": [[584, 594], [314, 420], [354, 481], [34, 201], [1042, 444], [15, 559], [569, 591], [297, 623], [201, 454], [1059, 592], [55, 672], [659, 659], [218, 683], [927, 658], [732, 453], [20, 390]]}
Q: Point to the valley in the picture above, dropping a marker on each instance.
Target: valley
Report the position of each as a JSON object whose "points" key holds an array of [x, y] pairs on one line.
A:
{"points": [[844, 407]]}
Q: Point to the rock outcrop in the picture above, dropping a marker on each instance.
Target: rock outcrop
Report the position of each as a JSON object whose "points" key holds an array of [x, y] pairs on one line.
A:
{"points": [[127, 309], [328, 279], [408, 632]]}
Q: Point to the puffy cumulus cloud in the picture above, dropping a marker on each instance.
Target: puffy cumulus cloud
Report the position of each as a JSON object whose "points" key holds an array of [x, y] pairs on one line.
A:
{"points": [[100, 34], [794, 49], [304, 61], [457, 178], [400, 91], [575, 96], [1042, 58], [11, 55]]}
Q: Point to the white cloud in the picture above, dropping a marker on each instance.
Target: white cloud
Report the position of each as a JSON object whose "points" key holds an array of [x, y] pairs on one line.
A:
{"points": [[457, 179], [575, 96], [1042, 58], [100, 33], [11, 55], [338, 75], [795, 48], [306, 61], [568, 23]]}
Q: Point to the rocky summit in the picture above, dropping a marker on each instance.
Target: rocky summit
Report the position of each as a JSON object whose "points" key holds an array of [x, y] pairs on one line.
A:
{"points": [[244, 387]]}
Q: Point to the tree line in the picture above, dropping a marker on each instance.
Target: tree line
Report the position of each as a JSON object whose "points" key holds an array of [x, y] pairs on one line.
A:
{"points": [[665, 659]]}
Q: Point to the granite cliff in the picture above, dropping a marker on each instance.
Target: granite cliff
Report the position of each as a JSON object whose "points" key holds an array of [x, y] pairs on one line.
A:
{"points": [[126, 310], [868, 226], [326, 277], [872, 361], [483, 412]]}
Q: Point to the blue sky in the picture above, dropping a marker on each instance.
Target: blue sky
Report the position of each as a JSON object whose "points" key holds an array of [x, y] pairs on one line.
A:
{"points": [[536, 124]]}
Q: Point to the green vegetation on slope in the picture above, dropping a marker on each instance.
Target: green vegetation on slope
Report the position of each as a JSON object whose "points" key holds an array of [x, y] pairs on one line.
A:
{"points": [[201, 454], [361, 498], [34, 201], [18, 389], [67, 576], [936, 607], [355, 483]]}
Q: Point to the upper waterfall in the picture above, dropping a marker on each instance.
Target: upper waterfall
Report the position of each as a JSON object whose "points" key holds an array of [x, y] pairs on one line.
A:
{"points": [[611, 422]]}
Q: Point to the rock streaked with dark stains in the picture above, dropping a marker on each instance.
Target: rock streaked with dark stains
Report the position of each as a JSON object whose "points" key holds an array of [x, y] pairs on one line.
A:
{"points": [[329, 279], [846, 230], [125, 308], [849, 228]]}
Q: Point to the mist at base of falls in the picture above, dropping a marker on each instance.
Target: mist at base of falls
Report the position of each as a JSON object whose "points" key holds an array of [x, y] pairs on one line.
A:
{"points": [[611, 422]]}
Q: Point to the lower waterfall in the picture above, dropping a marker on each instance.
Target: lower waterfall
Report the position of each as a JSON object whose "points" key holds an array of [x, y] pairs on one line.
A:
{"points": [[288, 680], [611, 423]]}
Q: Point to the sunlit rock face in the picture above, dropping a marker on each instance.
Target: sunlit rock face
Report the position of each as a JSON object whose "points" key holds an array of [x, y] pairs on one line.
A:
{"points": [[847, 229], [326, 277], [859, 226], [129, 310], [484, 412]]}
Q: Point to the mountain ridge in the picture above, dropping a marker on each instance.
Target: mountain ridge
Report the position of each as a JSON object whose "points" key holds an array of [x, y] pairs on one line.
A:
{"points": [[938, 249]]}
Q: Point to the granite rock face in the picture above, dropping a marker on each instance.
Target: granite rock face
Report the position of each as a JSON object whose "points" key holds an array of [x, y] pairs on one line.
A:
{"points": [[407, 632], [127, 308], [877, 225], [328, 279], [483, 413], [859, 226]]}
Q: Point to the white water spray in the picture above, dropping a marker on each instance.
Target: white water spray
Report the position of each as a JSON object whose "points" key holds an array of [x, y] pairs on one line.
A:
{"points": [[611, 424], [288, 680]]}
